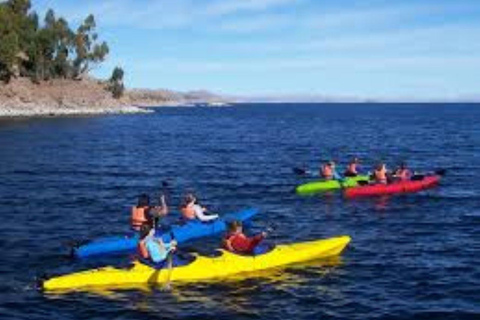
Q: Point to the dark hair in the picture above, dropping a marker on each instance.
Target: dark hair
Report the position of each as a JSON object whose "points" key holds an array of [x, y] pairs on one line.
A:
{"points": [[234, 225], [145, 230], [143, 200], [189, 197]]}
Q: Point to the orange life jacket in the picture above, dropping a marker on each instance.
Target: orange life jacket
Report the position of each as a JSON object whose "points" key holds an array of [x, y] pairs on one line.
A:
{"points": [[403, 174], [188, 213], [139, 217], [352, 168], [381, 175], [327, 172], [142, 249]]}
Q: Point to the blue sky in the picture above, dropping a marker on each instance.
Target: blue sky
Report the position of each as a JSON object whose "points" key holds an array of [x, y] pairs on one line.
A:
{"points": [[369, 48]]}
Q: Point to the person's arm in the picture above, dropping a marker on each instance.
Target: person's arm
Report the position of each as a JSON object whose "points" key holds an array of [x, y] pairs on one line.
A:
{"points": [[228, 245], [171, 246], [336, 176], [202, 216]]}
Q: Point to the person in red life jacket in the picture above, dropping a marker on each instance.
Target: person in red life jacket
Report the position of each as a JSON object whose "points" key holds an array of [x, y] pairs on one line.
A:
{"points": [[152, 248], [191, 210], [380, 174], [352, 168], [141, 213], [237, 242], [403, 173], [329, 172]]}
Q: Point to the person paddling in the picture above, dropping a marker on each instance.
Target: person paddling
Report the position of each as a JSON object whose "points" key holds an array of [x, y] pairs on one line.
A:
{"points": [[141, 213], [380, 174], [160, 211], [152, 248], [237, 242], [329, 172], [191, 210], [352, 168], [403, 173]]}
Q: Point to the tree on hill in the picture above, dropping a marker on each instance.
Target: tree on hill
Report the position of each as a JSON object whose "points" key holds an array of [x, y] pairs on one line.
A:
{"points": [[49, 50], [115, 83]]}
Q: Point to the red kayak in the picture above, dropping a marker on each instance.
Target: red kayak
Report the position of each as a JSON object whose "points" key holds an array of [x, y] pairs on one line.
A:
{"points": [[413, 185]]}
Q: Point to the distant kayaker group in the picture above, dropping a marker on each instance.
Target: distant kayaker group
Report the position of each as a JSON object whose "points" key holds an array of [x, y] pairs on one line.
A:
{"points": [[380, 174]]}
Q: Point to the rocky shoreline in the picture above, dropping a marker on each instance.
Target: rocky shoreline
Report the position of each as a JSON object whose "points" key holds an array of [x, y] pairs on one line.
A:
{"points": [[23, 98]]}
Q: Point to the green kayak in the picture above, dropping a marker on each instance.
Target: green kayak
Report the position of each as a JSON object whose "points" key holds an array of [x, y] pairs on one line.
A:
{"points": [[327, 185]]}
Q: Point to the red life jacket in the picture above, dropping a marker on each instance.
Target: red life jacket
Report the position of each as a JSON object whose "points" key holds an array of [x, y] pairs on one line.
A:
{"points": [[240, 243], [139, 217]]}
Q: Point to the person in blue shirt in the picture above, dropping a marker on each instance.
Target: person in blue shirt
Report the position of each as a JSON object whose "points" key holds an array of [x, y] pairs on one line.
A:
{"points": [[153, 248]]}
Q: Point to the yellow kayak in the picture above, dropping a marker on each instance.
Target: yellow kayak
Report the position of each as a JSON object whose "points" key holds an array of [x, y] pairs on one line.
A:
{"points": [[201, 267]]}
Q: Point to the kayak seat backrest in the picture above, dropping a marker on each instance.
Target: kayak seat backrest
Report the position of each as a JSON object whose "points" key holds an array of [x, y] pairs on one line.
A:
{"points": [[260, 249], [263, 248]]}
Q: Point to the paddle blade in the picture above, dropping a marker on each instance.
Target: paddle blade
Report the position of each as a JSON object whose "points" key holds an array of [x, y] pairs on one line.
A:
{"points": [[299, 171], [440, 172]]}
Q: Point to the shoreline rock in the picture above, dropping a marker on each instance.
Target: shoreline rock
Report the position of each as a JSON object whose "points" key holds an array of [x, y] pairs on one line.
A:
{"points": [[59, 97]]}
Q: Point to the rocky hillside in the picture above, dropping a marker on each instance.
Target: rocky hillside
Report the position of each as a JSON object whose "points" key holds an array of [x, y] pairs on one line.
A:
{"points": [[22, 97]]}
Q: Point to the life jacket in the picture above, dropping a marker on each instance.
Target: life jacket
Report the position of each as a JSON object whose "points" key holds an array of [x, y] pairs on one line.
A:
{"points": [[139, 217], [240, 243], [188, 212], [327, 172], [403, 174], [142, 249], [352, 168], [380, 176]]}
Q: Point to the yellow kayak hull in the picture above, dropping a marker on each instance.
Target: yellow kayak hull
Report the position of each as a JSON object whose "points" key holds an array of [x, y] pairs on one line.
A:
{"points": [[202, 268]]}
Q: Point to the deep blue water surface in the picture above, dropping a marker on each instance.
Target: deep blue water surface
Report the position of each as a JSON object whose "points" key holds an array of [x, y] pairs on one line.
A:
{"points": [[412, 257]]}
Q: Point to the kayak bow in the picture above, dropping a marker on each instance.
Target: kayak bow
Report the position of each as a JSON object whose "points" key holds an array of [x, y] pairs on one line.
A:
{"points": [[327, 185]]}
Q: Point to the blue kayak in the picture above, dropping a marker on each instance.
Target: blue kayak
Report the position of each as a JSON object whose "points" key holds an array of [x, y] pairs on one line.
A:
{"points": [[182, 233]]}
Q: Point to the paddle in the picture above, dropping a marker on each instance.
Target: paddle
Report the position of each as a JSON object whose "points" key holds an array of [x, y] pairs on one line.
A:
{"points": [[168, 285], [300, 171], [421, 176]]}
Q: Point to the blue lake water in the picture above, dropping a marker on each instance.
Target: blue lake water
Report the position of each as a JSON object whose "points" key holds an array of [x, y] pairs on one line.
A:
{"points": [[412, 257]]}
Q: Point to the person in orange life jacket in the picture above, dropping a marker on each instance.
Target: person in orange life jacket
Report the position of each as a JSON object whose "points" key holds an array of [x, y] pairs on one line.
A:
{"points": [[237, 242], [191, 210], [352, 168], [141, 213], [152, 248], [380, 174], [329, 172], [403, 173]]}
